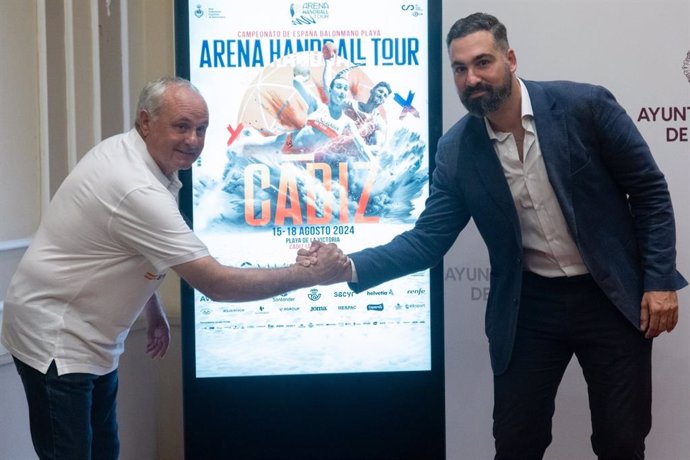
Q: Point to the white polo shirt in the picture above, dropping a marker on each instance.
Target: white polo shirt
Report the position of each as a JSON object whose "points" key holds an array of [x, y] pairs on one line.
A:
{"points": [[111, 232]]}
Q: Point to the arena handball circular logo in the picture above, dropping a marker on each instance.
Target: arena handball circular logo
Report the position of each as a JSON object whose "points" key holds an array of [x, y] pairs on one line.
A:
{"points": [[686, 66], [308, 12]]}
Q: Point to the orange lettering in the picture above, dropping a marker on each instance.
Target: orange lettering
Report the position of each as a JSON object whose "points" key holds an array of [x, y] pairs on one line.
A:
{"points": [[288, 188], [343, 195], [366, 193], [264, 177], [327, 211]]}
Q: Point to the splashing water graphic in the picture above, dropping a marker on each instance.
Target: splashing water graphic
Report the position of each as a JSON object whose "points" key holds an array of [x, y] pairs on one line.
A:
{"points": [[400, 179]]}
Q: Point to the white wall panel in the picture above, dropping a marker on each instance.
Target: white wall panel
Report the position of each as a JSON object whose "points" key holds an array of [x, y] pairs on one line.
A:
{"points": [[636, 49]]}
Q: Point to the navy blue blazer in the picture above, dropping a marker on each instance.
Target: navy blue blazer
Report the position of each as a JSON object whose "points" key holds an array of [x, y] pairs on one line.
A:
{"points": [[614, 198]]}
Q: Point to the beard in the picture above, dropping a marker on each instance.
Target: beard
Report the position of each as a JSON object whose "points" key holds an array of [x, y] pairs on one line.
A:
{"points": [[489, 102]]}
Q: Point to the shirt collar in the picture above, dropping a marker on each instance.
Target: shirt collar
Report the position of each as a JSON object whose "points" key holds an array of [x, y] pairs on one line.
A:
{"points": [[172, 183], [527, 115]]}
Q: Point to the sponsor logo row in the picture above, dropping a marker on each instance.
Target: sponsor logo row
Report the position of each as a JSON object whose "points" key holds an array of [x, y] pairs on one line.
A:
{"points": [[225, 326], [370, 307]]}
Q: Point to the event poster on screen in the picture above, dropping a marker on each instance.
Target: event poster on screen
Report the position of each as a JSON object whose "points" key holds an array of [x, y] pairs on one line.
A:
{"points": [[319, 130]]}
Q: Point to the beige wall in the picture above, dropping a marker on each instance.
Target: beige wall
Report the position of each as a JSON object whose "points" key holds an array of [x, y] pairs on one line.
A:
{"points": [[35, 83], [20, 166], [43, 77], [48, 117], [71, 73], [151, 22]]}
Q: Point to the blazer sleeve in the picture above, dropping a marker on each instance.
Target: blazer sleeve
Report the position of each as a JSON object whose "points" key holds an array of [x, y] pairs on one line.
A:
{"points": [[629, 161], [444, 216]]}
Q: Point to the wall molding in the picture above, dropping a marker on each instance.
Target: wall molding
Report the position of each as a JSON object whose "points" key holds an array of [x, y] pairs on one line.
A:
{"points": [[5, 357], [6, 246], [139, 325], [43, 133], [11, 245]]}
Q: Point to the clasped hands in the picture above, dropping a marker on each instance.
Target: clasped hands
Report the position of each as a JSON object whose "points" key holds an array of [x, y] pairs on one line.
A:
{"points": [[659, 310], [327, 262]]}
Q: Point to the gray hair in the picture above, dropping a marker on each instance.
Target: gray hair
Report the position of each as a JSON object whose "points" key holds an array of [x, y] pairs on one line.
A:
{"points": [[151, 96]]}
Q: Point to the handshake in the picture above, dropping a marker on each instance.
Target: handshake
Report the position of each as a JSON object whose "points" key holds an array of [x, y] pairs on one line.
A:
{"points": [[325, 263]]}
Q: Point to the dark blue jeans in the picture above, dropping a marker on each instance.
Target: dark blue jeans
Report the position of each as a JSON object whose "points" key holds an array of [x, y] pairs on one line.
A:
{"points": [[72, 416], [560, 318]]}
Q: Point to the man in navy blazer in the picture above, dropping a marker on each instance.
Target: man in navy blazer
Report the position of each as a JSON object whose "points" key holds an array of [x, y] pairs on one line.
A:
{"points": [[578, 222]]}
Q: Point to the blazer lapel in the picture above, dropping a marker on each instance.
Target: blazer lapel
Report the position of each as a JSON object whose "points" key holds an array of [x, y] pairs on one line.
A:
{"points": [[488, 169], [552, 131]]}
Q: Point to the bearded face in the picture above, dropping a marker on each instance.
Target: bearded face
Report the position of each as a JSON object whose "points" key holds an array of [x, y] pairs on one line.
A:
{"points": [[484, 98], [482, 71]]}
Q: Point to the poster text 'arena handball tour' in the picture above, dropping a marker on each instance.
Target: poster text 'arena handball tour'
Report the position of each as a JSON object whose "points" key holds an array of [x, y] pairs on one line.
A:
{"points": [[319, 130]]}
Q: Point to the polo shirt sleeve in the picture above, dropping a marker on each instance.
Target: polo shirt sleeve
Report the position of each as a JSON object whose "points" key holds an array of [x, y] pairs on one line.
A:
{"points": [[147, 222]]}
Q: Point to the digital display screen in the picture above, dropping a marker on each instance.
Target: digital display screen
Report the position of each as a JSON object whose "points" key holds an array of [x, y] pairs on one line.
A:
{"points": [[319, 129]]}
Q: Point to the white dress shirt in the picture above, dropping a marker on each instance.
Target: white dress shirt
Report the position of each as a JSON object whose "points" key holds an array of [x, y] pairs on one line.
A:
{"points": [[548, 248]]}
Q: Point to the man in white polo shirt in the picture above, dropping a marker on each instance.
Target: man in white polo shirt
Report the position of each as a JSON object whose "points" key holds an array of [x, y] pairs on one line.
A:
{"points": [[109, 236]]}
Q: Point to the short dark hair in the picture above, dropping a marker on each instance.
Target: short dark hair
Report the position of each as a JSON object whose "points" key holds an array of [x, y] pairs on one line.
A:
{"points": [[476, 23], [382, 84]]}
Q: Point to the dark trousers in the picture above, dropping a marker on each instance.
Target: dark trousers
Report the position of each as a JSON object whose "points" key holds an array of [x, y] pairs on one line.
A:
{"points": [[72, 416], [560, 317]]}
